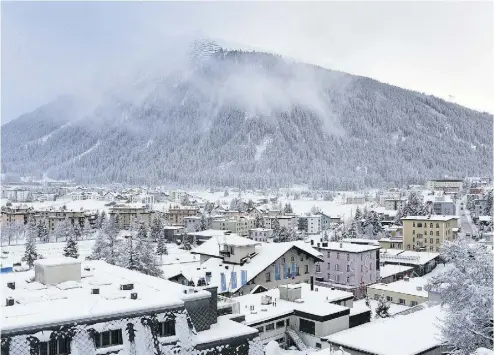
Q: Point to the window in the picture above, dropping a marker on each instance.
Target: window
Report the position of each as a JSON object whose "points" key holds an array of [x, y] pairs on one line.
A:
{"points": [[307, 326], [348, 268], [301, 258], [437, 225], [297, 271], [389, 299], [329, 254], [269, 327], [431, 225], [348, 279], [329, 266], [419, 224], [361, 257], [337, 255], [108, 338], [413, 239], [413, 303], [167, 328], [437, 234], [306, 269], [283, 260], [292, 258], [431, 240], [287, 322], [437, 249], [260, 329], [431, 248], [402, 301], [413, 232], [280, 324], [376, 297], [318, 268], [337, 278], [318, 345], [431, 233], [268, 277], [329, 276], [348, 256], [337, 267], [408, 246], [437, 240], [414, 224], [54, 347], [361, 268]]}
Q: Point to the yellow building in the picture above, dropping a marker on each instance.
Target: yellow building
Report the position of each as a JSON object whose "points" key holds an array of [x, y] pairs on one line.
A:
{"points": [[127, 213], [19, 214], [175, 216], [391, 243], [428, 233]]}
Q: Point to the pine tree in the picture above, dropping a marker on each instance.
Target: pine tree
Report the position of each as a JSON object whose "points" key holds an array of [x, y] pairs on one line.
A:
{"points": [[77, 232], [107, 246], [382, 309], [488, 205], [101, 219], [156, 228], [204, 222], [377, 227], [288, 208], [86, 228], [358, 215], [250, 204], [63, 229], [325, 237], [71, 249], [30, 253], [353, 230], [161, 248]]}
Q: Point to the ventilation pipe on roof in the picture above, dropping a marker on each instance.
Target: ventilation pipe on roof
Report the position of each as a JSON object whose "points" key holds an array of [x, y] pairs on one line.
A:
{"points": [[11, 285]]}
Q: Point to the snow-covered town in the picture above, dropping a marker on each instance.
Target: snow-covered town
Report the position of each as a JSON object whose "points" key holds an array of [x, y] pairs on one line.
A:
{"points": [[247, 177], [96, 270]]}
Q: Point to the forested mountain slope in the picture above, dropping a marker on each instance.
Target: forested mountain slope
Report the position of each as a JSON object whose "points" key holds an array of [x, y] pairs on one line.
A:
{"points": [[251, 119]]}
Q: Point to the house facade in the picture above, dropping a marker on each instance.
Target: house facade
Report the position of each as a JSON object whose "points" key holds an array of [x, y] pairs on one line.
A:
{"points": [[427, 233], [175, 216], [260, 234], [127, 213], [446, 185], [347, 266]]}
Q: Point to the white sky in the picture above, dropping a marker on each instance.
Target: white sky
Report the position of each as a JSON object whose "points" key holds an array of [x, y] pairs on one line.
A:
{"points": [[440, 48]]}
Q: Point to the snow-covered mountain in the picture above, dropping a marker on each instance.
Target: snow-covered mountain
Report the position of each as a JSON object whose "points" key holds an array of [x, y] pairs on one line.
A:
{"points": [[250, 119]]}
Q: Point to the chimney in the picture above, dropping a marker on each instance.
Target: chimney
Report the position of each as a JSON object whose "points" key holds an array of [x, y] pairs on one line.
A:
{"points": [[312, 283], [95, 291], [312, 242], [341, 245], [9, 301], [133, 296], [11, 285]]}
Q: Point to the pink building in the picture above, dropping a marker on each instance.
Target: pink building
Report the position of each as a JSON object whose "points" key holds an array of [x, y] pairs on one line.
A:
{"points": [[347, 266]]}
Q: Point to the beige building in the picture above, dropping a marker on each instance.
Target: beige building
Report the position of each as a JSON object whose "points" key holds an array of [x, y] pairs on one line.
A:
{"points": [[15, 214], [391, 243], [239, 226], [54, 217], [394, 204], [175, 216], [407, 292], [127, 213], [428, 233], [449, 185]]}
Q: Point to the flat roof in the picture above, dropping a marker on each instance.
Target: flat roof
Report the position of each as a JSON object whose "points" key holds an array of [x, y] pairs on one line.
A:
{"points": [[314, 303], [348, 247], [73, 301], [390, 269], [408, 334], [406, 287], [429, 218], [407, 257]]}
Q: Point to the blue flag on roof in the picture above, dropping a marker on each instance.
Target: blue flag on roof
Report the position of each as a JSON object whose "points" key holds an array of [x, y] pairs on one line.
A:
{"points": [[294, 269], [277, 274], [223, 282], [234, 279], [244, 277]]}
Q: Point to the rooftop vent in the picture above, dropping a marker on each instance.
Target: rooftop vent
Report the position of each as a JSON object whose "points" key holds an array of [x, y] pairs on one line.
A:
{"points": [[419, 288], [265, 299], [406, 278], [133, 296], [9, 301], [127, 287], [54, 271], [95, 291], [11, 285]]}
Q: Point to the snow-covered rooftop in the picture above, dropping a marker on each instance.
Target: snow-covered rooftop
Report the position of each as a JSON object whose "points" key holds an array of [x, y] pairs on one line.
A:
{"points": [[390, 269], [73, 301], [348, 247], [314, 302], [404, 334], [360, 241], [212, 246], [429, 218], [414, 286], [407, 257]]}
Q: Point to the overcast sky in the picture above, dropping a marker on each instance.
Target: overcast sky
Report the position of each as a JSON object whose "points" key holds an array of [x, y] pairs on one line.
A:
{"points": [[440, 48]]}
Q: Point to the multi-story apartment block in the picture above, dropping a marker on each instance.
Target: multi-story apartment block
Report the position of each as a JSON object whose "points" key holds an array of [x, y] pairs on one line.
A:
{"points": [[347, 266], [428, 233], [238, 226], [127, 213], [175, 216], [446, 185], [389, 195], [105, 309], [17, 195], [355, 200], [289, 222], [193, 223], [260, 234], [311, 224], [480, 205], [442, 207], [18, 214], [394, 204], [53, 217]]}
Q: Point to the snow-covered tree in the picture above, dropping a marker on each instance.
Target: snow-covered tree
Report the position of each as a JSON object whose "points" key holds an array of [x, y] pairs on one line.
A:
{"points": [[86, 228], [358, 215], [11, 232], [42, 230], [382, 309], [161, 248], [225, 194], [288, 208], [156, 228], [275, 226], [259, 221], [353, 230], [30, 252], [325, 236], [77, 232], [466, 289], [315, 210], [488, 205], [414, 206], [284, 235], [71, 249], [398, 217], [107, 246], [377, 227], [204, 222], [63, 229], [101, 219], [135, 254]]}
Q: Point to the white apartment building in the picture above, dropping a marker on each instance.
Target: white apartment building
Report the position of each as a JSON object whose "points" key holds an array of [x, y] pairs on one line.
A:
{"points": [[260, 234]]}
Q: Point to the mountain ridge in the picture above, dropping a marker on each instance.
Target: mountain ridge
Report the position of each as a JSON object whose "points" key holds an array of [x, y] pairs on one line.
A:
{"points": [[206, 125]]}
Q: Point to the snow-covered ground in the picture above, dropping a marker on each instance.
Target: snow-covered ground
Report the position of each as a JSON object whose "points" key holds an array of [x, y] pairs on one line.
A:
{"points": [[91, 205]]}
